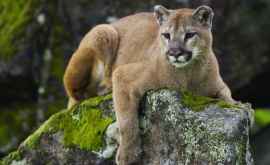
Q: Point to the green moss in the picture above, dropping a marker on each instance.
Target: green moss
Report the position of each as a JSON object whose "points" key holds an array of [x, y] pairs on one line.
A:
{"points": [[262, 117], [224, 104], [93, 102], [208, 144], [15, 124], [16, 155], [87, 132], [82, 126], [18, 121], [198, 103], [14, 15], [50, 126]]}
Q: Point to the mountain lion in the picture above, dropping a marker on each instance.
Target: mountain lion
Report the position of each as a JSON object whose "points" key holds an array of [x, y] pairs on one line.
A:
{"points": [[167, 48]]}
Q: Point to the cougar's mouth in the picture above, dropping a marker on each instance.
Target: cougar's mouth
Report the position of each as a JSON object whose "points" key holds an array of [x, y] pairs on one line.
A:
{"points": [[180, 61]]}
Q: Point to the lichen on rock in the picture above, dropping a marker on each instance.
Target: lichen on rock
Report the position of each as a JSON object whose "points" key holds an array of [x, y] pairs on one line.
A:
{"points": [[183, 132], [12, 157], [172, 132], [82, 126], [199, 103], [77, 131]]}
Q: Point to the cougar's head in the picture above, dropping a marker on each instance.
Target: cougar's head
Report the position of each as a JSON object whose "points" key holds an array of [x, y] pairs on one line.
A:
{"points": [[185, 34]]}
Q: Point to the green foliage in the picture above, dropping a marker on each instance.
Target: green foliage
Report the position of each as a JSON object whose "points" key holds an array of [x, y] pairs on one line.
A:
{"points": [[13, 121], [13, 156], [4, 138], [262, 117], [198, 103], [14, 15], [82, 126], [58, 37], [17, 121]]}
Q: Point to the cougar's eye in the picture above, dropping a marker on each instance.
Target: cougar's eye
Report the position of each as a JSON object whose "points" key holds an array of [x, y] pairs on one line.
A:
{"points": [[190, 35], [166, 35]]}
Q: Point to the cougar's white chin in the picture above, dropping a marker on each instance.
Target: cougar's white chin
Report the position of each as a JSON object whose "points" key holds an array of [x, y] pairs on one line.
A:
{"points": [[180, 61]]}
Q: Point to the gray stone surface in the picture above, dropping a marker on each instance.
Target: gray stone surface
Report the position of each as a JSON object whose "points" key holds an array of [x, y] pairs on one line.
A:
{"points": [[176, 135], [172, 134]]}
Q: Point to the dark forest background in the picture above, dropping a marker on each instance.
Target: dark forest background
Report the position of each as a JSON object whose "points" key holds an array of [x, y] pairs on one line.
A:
{"points": [[37, 38]]}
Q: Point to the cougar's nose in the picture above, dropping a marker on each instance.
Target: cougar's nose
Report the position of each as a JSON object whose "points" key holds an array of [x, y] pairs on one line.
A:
{"points": [[175, 52]]}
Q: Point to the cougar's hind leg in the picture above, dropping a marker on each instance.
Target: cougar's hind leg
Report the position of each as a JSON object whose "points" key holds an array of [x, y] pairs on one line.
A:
{"points": [[77, 74], [71, 102], [108, 43], [81, 77], [87, 88]]}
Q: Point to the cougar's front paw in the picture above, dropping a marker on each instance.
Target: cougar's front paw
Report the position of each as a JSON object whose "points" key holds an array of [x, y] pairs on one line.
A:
{"points": [[103, 90], [130, 156], [232, 101]]}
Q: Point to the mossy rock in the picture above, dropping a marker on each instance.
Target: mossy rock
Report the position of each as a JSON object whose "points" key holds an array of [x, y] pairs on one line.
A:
{"points": [[15, 124], [171, 131], [82, 126], [77, 132], [182, 128]]}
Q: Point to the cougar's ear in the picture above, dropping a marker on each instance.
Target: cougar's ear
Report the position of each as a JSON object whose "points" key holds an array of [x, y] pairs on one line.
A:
{"points": [[161, 14], [203, 15]]}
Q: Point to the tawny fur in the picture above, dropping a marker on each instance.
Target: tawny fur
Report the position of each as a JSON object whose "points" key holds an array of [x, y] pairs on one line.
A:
{"points": [[130, 51]]}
